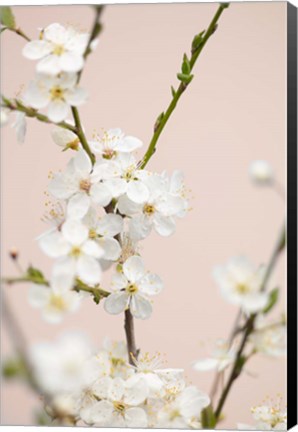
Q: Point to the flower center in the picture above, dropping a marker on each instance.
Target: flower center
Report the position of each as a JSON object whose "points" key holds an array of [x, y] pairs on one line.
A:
{"points": [[174, 414], [109, 153], [74, 145], [75, 252], [119, 406], [129, 173], [58, 50], [92, 233], [241, 288], [132, 289], [56, 93], [148, 209], [85, 185], [57, 302]]}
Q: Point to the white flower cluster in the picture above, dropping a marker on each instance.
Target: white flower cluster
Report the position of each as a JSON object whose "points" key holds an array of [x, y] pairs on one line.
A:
{"points": [[267, 417], [60, 54], [102, 389], [102, 212]]}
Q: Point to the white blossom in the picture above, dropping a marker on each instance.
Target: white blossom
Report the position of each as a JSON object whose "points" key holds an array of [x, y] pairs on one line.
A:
{"points": [[159, 380], [158, 211], [240, 283], [103, 230], [222, 357], [58, 49], [122, 176], [57, 93], [113, 142], [261, 172], [269, 338], [80, 186], [4, 116], [182, 411], [77, 254], [267, 418], [65, 138], [20, 126], [132, 289], [57, 299], [118, 404], [58, 366]]}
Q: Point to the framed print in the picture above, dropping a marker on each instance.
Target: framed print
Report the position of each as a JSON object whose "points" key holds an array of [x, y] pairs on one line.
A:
{"points": [[149, 215]]}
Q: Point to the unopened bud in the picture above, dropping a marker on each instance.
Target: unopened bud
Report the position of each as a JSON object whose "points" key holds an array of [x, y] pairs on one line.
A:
{"points": [[14, 253]]}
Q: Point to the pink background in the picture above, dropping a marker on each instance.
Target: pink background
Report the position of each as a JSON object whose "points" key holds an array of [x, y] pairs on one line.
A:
{"points": [[233, 113]]}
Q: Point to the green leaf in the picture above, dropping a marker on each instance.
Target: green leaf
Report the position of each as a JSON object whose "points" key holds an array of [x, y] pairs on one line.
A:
{"points": [[7, 18], [197, 41], [273, 298], [184, 78], [208, 418], [13, 368], [173, 91], [34, 272], [185, 65], [158, 120]]}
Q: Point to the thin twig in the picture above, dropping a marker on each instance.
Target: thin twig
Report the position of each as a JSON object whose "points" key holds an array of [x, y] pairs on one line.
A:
{"points": [[130, 337], [182, 87], [249, 327], [17, 105]]}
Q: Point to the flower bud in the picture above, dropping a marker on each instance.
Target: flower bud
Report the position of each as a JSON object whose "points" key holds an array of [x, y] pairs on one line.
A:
{"points": [[261, 172]]}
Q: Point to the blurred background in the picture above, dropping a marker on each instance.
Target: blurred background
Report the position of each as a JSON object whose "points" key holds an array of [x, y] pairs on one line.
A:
{"points": [[233, 112]]}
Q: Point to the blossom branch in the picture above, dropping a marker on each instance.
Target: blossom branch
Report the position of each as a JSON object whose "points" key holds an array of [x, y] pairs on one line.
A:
{"points": [[17, 105], [249, 327], [36, 277], [197, 47], [81, 135], [96, 29], [130, 337], [19, 32]]}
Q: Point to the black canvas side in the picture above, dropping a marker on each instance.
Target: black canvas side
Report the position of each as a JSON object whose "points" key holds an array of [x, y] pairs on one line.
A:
{"points": [[292, 212]]}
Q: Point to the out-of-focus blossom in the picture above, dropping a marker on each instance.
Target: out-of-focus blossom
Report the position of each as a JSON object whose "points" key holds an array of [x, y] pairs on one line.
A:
{"points": [[222, 357], [240, 283], [261, 172], [57, 93]]}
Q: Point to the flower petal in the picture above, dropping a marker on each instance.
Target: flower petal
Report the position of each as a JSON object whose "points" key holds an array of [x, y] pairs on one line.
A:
{"points": [[136, 418], [150, 284], [89, 270], [36, 49], [110, 225], [57, 110], [137, 191], [116, 389], [38, 295], [116, 302], [128, 144], [100, 194], [90, 247], [76, 96], [49, 65], [133, 268], [111, 247], [119, 281], [140, 307], [54, 244], [71, 62], [78, 205], [165, 226], [75, 232]]}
